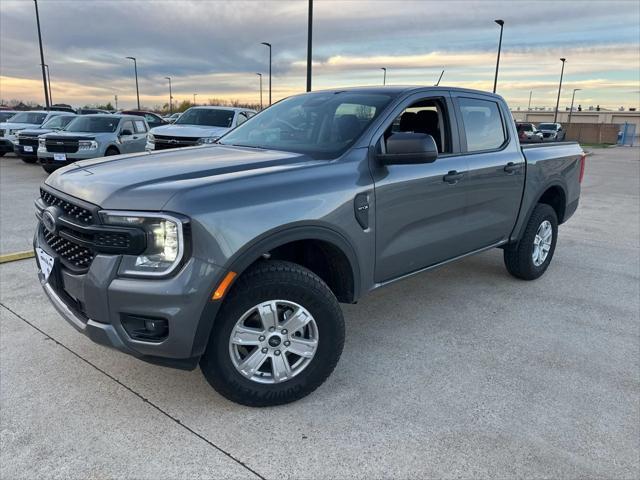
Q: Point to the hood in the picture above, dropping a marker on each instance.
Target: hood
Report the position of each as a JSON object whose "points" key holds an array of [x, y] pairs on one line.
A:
{"points": [[146, 181], [199, 131], [34, 132], [17, 126], [63, 134]]}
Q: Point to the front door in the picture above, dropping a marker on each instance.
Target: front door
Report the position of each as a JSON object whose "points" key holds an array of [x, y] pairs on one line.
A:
{"points": [[420, 208]]}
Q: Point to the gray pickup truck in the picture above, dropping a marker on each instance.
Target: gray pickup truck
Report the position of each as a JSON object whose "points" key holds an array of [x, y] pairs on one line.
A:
{"points": [[235, 255]]}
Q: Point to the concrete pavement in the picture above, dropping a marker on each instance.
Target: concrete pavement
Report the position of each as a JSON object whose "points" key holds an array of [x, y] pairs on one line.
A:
{"points": [[463, 372]]}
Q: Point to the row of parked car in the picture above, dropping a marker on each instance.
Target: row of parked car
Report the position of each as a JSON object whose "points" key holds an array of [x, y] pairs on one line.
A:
{"points": [[56, 138], [544, 132]]}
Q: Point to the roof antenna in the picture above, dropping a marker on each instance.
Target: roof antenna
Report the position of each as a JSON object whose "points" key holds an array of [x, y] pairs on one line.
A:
{"points": [[441, 74]]}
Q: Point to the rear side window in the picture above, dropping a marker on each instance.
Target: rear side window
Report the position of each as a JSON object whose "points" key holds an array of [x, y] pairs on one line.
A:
{"points": [[483, 124], [140, 126]]}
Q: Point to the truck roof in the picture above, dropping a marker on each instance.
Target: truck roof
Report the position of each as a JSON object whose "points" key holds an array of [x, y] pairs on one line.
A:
{"points": [[398, 89], [222, 107]]}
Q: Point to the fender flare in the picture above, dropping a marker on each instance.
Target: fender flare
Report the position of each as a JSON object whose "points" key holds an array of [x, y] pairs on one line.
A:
{"points": [[266, 242], [520, 225]]}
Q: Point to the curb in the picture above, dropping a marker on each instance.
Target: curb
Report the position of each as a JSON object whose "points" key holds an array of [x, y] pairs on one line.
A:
{"points": [[15, 256]]}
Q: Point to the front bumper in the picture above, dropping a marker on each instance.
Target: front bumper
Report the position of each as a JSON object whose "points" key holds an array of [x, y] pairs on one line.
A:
{"points": [[6, 145], [96, 302], [46, 158], [20, 151]]}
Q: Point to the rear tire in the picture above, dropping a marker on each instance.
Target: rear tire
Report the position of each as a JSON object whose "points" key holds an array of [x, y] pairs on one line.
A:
{"points": [[530, 257], [294, 293]]}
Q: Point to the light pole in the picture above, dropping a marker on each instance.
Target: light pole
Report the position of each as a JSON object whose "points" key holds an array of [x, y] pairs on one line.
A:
{"points": [[194, 99], [384, 76], [495, 80], [530, 93], [170, 96], [115, 97], [267, 44], [309, 44], [49, 82], [44, 78], [440, 78], [555, 117], [135, 69], [573, 97], [260, 75]]}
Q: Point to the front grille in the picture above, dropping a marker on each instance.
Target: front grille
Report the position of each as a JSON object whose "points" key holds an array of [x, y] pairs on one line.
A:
{"points": [[71, 211], [72, 253], [112, 239], [163, 142], [28, 141], [61, 146]]}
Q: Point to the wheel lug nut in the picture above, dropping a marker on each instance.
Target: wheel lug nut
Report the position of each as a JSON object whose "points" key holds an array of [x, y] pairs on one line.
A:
{"points": [[287, 343], [261, 338], [265, 350], [284, 331], [272, 329], [276, 353]]}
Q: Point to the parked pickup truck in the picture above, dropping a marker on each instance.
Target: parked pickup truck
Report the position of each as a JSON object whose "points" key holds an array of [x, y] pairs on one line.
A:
{"points": [[26, 145], [235, 255], [21, 121], [197, 126]]}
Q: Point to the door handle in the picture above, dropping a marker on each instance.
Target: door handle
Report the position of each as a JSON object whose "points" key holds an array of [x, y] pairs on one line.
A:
{"points": [[453, 177], [511, 167]]}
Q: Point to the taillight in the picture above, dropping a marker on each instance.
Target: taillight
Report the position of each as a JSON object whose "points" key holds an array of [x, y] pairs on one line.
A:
{"points": [[583, 159]]}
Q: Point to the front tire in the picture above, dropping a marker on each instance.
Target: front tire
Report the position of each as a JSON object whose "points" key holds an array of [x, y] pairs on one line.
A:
{"points": [[29, 159], [530, 257], [277, 337]]}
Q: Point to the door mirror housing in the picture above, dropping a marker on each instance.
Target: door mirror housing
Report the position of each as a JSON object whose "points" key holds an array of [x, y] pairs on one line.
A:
{"points": [[126, 133], [406, 148]]}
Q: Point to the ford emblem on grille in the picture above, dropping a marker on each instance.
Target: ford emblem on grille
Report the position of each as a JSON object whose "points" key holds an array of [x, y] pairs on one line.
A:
{"points": [[59, 143], [173, 140], [50, 218]]}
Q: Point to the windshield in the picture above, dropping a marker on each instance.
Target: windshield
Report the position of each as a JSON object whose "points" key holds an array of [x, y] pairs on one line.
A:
{"points": [[93, 124], [321, 125], [547, 126], [5, 116], [58, 121], [35, 118], [207, 116]]}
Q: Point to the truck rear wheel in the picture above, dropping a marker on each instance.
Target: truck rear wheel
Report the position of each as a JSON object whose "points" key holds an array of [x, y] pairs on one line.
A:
{"points": [[277, 337], [529, 258]]}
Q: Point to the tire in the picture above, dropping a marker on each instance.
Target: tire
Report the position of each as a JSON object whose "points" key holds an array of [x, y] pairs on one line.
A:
{"points": [[111, 151], [29, 159], [519, 257], [49, 168], [2, 154], [264, 283]]}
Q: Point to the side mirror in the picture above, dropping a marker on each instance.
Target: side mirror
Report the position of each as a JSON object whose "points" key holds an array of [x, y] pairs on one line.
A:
{"points": [[405, 148], [126, 133]]}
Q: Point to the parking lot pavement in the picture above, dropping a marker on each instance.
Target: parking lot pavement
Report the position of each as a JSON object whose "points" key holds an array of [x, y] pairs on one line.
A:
{"points": [[460, 372], [19, 183]]}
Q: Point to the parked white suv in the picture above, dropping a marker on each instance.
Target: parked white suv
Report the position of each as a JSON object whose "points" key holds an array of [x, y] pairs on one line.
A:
{"points": [[197, 126], [20, 121]]}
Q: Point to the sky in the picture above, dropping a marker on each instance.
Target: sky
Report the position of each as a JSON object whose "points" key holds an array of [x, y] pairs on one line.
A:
{"points": [[212, 48]]}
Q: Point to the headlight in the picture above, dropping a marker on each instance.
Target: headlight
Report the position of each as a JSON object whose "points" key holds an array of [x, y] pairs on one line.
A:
{"points": [[13, 132], [165, 242], [150, 137], [42, 143], [207, 140], [87, 145]]}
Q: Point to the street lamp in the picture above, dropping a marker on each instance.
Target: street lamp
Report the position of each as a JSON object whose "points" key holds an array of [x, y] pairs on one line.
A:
{"points": [[260, 75], [555, 117], [194, 99], [44, 78], [573, 97], [495, 80], [267, 44], [530, 93], [384, 76], [135, 69], [309, 43], [49, 82], [170, 96]]}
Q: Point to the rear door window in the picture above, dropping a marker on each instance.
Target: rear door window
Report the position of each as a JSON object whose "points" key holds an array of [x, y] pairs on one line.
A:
{"points": [[483, 125]]}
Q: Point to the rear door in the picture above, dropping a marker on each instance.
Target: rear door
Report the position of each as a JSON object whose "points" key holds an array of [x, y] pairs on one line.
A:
{"points": [[495, 181], [419, 213], [128, 137]]}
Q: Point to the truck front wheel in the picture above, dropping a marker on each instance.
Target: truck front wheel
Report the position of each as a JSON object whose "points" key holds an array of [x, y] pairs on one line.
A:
{"points": [[529, 258], [277, 337]]}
